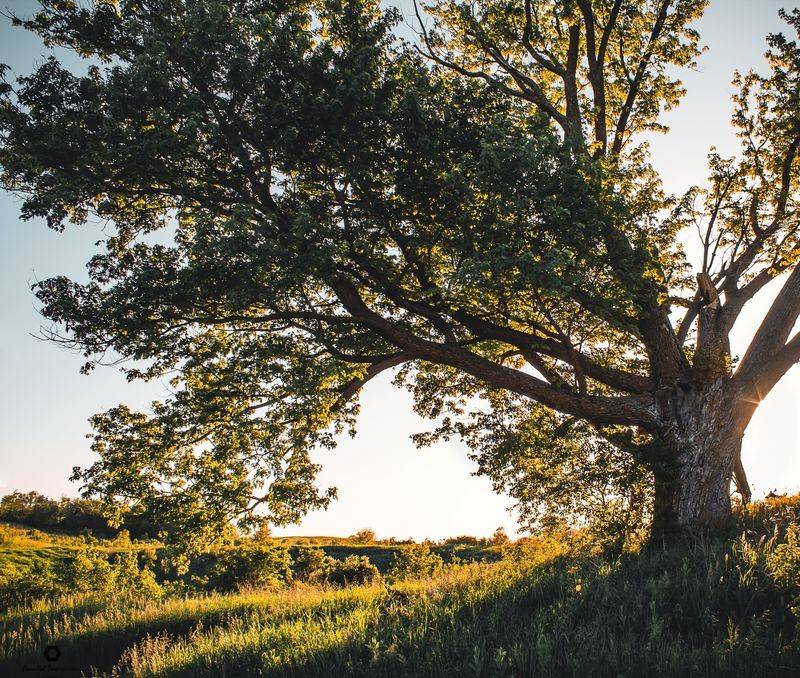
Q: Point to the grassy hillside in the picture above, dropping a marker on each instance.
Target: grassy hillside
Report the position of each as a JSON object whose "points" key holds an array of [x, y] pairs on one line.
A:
{"points": [[381, 556], [728, 607], [26, 547]]}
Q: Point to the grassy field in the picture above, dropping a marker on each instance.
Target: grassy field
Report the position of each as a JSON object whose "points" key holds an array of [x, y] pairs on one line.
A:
{"points": [[24, 546], [30, 548], [381, 556], [724, 607]]}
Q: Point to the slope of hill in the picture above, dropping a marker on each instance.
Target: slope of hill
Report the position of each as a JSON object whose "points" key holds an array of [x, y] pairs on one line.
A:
{"points": [[27, 547], [720, 607], [24, 546]]}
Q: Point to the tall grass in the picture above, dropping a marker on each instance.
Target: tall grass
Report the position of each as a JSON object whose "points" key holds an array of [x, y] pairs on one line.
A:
{"points": [[716, 607]]}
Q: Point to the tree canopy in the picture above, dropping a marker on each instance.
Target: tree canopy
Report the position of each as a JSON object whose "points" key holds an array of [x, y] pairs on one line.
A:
{"points": [[476, 210]]}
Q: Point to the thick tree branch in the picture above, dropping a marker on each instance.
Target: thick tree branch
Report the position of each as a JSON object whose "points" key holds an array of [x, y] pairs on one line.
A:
{"points": [[740, 479], [621, 380], [354, 385], [631, 410], [755, 385], [768, 342], [707, 334], [595, 55]]}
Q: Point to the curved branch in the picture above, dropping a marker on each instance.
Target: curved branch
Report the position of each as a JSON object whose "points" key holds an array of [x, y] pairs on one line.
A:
{"points": [[770, 355], [628, 410], [354, 385], [641, 70], [755, 384], [610, 376]]}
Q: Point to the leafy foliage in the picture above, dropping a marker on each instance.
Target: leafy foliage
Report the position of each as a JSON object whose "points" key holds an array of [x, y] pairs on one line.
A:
{"points": [[351, 571], [296, 202], [249, 565], [91, 570], [365, 536], [415, 560], [19, 583], [78, 566], [309, 564]]}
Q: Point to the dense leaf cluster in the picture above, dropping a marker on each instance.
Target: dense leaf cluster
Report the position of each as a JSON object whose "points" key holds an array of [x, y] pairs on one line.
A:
{"points": [[295, 201]]}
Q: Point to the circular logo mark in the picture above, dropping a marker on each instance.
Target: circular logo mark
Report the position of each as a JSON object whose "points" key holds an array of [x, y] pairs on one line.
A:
{"points": [[52, 653]]}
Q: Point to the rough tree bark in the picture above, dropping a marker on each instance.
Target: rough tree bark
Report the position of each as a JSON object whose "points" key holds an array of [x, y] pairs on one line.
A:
{"points": [[701, 446]]}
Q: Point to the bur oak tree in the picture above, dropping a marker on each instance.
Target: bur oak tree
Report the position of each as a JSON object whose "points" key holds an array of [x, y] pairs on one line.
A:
{"points": [[295, 202]]}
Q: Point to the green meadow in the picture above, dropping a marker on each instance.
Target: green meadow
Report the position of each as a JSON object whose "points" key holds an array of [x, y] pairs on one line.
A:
{"points": [[550, 606]]}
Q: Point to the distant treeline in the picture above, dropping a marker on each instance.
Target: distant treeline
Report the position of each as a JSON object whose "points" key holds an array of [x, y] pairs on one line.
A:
{"points": [[367, 537], [71, 515]]}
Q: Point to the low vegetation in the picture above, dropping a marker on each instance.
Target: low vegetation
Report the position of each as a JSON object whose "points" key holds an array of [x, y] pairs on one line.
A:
{"points": [[35, 564], [553, 606], [70, 515]]}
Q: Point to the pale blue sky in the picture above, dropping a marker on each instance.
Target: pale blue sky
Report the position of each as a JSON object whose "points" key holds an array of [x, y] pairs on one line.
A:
{"points": [[384, 482]]}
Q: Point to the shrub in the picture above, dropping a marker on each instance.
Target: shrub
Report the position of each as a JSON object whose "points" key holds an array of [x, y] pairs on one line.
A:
{"points": [[132, 580], [250, 565], [309, 563], [548, 546], [500, 538], [20, 583], [263, 535], [88, 571], [415, 560], [91, 570], [783, 563], [351, 571], [365, 536]]}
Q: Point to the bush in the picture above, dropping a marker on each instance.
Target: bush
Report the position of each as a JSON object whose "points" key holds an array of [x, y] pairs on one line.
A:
{"points": [[91, 570], [365, 536], [20, 583], [351, 571], [309, 564], [88, 571], [415, 560], [250, 565], [783, 563], [132, 580], [263, 535], [500, 538]]}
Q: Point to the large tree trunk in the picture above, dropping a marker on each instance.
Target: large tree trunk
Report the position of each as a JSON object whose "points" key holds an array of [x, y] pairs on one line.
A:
{"points": [[702, 455]]}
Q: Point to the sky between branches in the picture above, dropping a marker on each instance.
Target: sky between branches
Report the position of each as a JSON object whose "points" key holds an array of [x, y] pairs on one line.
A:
{"points": [[384, 481]]}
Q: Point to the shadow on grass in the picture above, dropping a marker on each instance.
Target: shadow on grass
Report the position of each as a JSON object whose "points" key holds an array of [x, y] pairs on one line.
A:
{"points": [[689, 612], [707, 609], [97, 648]]}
